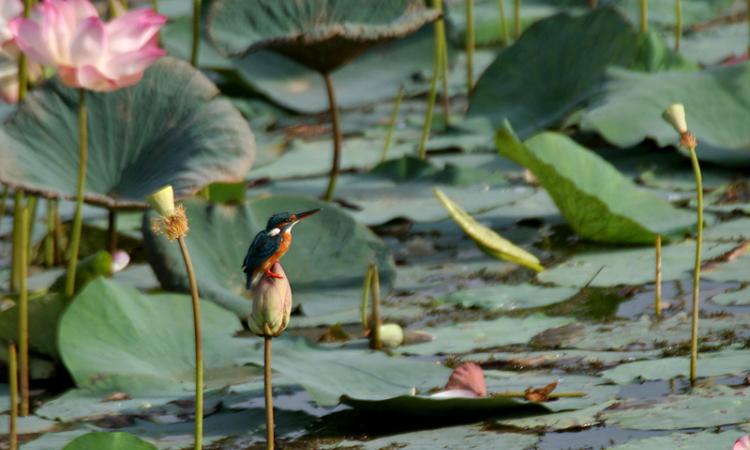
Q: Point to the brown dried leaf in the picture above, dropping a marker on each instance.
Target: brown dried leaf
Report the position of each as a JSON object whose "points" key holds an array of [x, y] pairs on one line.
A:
{"points": [[539, 394]]}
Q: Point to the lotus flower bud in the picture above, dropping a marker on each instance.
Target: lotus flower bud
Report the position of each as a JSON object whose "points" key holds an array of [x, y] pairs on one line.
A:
{"points": [[391, 335], [468, 377], [163, 201], [742, 443], [272, 304], [675, 115]]}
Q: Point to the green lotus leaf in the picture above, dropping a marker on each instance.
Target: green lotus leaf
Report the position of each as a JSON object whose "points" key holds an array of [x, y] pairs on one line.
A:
{"points": [[684, 441], [325, 264], [320, 34], [113, 338], [108, 441], [716, 101], [171, 128], [459, 408], [558, 65], [598, 202]]}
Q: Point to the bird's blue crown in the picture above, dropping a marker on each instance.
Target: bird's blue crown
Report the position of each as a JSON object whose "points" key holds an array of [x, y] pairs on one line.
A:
{"points": [[277, 219]]}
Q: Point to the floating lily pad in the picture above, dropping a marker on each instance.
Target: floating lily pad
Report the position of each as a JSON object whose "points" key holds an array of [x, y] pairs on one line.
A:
{"points": [[714, 44], [327, 260], [113, 440], [29, 424], [561, 421], [178, 132], [509, 297], [322, 35], [327, 373], [53, 441], [738, 297], [684, 441], [734, 270], [633, 266], [727, 362], [598, 202], [701, 409], [467, 336], [104, 333], [715, 101], [731, 230]]}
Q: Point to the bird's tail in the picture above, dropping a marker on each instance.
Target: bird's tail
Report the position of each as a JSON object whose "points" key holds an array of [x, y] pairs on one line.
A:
{"points": [[251, 279]]}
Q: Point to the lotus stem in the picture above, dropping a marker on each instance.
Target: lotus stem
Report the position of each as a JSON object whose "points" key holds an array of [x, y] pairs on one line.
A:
{"points": [[124, 4], [75, 236], [437, 66], [446, 97], [392, 123], [522, 394], [13, 387], [657, 288], [375, 341], [23, 311], [4, 202], [469, 45], [18, 198], [198, 342], [697, 266], [59, 235], [337, 139], [366, 286], [196, 33], [517, 18], [112, 231], [23, 64], [268, 389], [678, 24], [49, 238], [504, 35], [31, 205], [644, 16]]}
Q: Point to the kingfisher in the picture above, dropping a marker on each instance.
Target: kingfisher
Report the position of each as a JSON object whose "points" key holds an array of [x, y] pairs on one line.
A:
{"points": [[270, 245]]}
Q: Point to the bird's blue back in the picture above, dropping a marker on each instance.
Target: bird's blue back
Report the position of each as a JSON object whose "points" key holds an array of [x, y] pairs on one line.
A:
{"points": [[262, 248]]}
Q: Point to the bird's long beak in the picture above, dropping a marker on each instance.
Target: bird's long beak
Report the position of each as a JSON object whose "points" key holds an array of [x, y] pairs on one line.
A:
{"points": [[306, 214]]}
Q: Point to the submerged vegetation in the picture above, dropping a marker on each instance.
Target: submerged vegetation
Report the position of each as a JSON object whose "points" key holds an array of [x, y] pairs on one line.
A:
{"points": [[514, 239]]}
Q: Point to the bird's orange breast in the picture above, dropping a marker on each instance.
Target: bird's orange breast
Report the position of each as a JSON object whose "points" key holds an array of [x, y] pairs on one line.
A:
{"points": [[286, 241]]}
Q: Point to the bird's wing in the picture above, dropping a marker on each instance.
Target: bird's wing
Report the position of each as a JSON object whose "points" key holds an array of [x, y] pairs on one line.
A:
{"points": [[262, 248]]}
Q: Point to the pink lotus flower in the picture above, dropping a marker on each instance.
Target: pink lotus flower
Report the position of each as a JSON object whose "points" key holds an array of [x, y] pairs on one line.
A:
{"points": [[9, 10], [88, 53], [742, 443]]}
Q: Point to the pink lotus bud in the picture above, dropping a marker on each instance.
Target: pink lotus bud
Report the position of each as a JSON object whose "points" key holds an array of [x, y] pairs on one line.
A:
{"points": [[88, 53], [468, 377], [272, 304], [742, 443]]}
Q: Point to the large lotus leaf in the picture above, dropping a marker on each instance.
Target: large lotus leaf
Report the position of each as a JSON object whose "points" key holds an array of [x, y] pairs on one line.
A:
{"points": [[605, 267], [467, 436], [684, 441], [734, 270], [320, 34], [561, 421], [662, 14], [113, 337], [738, 297], [715, 99], [460, 409], [713, 45], [554, 67], [44, 313], [700, 409], [468, 336], [325, 264], [727, 362], [598, 202], [109, 441], [510, 297], [327, 373], [171, 128]]}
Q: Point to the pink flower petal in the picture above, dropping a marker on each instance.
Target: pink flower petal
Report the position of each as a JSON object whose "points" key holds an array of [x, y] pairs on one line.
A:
{"points": [[89, 44], [131, 31], [134, 62], [9, 10], [30, 39], [467, 377], [89, 77], [742, 443]]}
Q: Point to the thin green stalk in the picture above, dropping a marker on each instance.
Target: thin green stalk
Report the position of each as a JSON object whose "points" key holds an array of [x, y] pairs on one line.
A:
{"points": [[678, 24], [15, 265], [505, 36], [657, 289], [23, 312], [553, 396], [697, 266], [196, 33], [59, 236], [112, 231], [469, 45], [337, 138], [75, 235], [375, 341], [198, 343], [432, 96], [13, 386], [268, 389], [517, 18], [4, 202], [32, 205], [124, 4], [446, 97], [644, 16], [49, 237], [392, 124], [366, 286], [23, 77]]}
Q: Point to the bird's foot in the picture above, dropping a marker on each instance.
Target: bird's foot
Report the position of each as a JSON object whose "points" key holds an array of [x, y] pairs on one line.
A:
{"points": [[271, 274]]}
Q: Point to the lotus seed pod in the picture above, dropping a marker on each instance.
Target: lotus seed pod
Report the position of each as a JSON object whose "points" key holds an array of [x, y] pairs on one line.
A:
{"points": [[675, 115], [163, 201], [391, 335], [272, 304]]}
